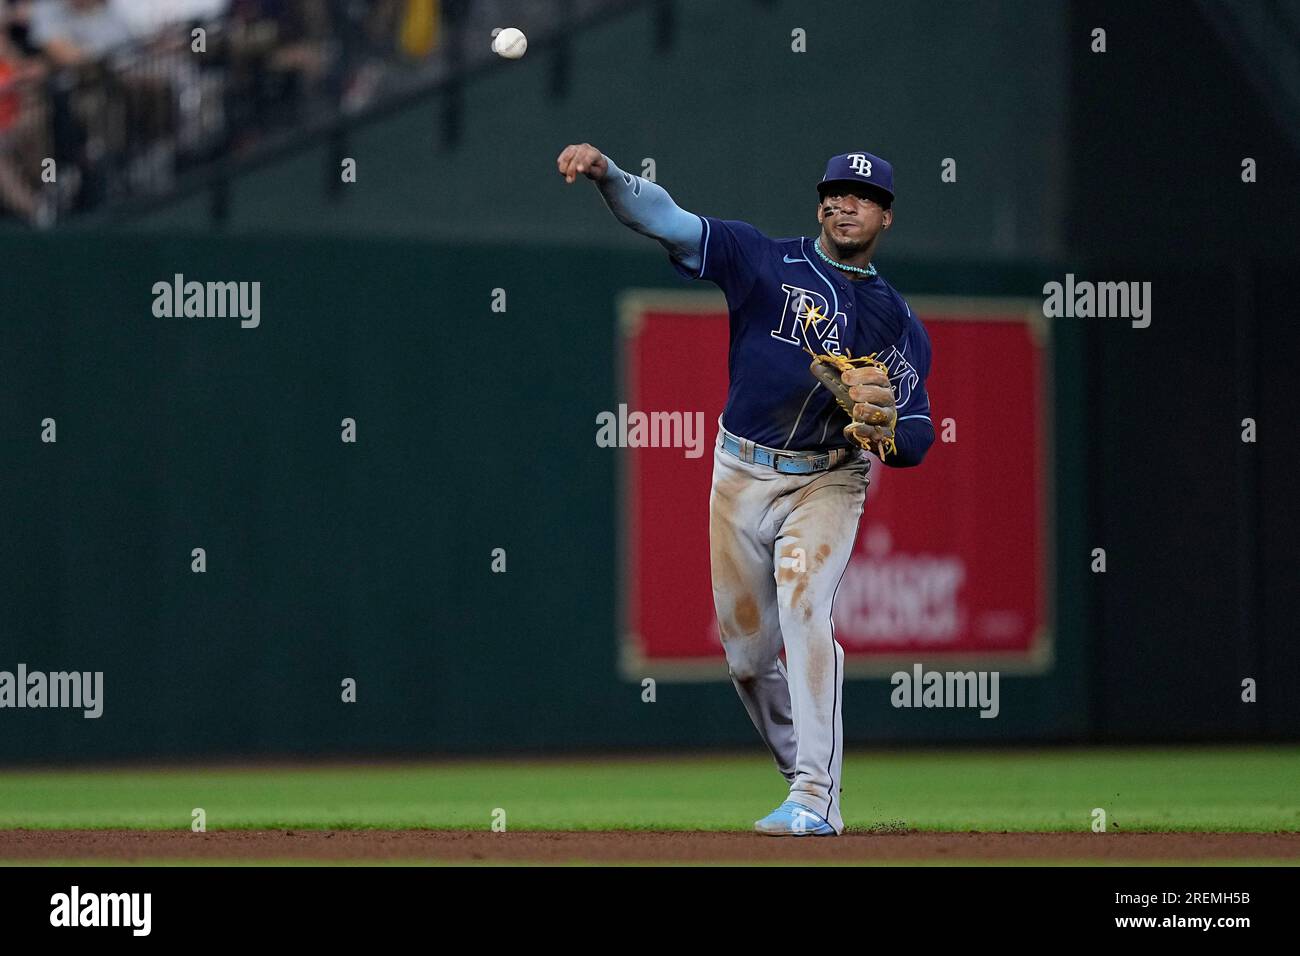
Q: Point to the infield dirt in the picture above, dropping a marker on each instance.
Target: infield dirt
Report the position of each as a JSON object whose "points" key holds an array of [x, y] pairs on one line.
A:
{"points": [[636, 846]]}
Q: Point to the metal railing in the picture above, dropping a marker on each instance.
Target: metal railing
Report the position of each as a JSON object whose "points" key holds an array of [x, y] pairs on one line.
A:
{"points": [[187, 106]]}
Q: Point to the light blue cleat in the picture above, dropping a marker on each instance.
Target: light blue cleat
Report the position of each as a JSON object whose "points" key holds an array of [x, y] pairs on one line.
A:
{"points": [[794, 819]]}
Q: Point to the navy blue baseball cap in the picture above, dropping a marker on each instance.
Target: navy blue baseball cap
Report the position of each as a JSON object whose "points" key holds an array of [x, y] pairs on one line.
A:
{"points": [[861, 168]]}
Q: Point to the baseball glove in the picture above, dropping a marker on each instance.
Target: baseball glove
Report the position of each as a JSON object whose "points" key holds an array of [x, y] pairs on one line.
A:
{"points": [[861, 387]]}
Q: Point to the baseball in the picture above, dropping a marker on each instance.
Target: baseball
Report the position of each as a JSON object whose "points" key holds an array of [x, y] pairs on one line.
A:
{"points": [[510, 43]]}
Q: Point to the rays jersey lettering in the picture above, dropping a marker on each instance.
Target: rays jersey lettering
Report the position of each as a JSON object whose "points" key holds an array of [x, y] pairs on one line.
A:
{"points": [[902, 376], [806, 321], [784, 301]]}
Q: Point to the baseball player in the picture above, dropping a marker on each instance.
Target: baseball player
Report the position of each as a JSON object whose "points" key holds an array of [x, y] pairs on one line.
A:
{"points": [[790, 470]]}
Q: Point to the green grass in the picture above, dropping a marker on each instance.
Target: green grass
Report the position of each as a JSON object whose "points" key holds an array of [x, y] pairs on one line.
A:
{"points": [[1171, 789]]}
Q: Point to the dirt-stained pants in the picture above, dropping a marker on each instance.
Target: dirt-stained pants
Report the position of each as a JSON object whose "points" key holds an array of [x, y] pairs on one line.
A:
{"points": [[778, 546]]}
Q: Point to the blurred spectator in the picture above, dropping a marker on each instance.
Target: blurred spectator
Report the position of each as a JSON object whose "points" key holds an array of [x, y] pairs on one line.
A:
{"points": [[19, 24], [76, 32], [419, 33], [149, 17], [279, 55], [368, 31], [20, 141], [112, 114]]}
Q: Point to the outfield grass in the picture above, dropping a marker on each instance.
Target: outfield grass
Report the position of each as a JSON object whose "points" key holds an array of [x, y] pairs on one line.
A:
{"points": [[1171, 789]]}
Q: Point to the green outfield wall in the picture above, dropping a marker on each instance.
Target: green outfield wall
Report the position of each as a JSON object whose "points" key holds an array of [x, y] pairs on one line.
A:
{"points": [[370, 560]]}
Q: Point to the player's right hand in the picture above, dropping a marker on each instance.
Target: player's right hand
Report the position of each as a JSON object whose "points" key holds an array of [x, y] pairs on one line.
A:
{"points": [[581, 158]]}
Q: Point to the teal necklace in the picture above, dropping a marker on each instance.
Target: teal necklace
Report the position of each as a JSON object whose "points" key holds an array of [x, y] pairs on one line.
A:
{"points": [[870, 270]]}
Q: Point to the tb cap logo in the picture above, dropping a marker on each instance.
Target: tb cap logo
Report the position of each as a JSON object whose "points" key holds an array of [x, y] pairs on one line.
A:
{"points": [[859, 167]]}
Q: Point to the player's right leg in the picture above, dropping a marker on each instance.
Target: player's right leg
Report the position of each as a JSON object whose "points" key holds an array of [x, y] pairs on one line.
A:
{"points": [[744, 597]]}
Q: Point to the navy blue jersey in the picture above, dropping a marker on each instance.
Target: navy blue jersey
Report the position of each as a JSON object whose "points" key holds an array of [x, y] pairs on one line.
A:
{"points": [[782, 297]]}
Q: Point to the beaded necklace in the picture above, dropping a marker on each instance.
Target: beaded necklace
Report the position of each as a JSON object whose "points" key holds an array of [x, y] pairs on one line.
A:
{"points": [[870, 270]]}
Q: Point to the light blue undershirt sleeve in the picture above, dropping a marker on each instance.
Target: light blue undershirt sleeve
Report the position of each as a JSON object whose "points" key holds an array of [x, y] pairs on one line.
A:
{"points": [[646, 207]]}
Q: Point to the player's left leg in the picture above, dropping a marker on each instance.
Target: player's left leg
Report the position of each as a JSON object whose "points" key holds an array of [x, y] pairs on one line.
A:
{"points": [[812, 550]]}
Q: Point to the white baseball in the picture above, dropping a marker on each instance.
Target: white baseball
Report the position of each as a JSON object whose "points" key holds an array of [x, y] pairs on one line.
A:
{"points": [[510, 43]]}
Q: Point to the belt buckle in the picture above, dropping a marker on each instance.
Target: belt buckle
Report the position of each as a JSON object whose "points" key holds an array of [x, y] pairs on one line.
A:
{"points": [[787, 456]]}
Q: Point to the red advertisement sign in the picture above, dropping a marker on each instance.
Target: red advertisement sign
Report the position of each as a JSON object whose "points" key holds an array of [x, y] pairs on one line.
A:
{"points": [[952, 560]]}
